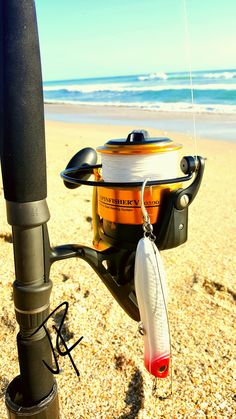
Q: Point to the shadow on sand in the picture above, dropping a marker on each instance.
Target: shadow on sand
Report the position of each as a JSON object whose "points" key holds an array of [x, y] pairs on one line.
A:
{"points": [[134, 396]]}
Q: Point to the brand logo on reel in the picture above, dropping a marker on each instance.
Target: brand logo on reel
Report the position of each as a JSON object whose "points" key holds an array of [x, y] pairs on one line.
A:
{"points": [[119, 202], [135, 203]]}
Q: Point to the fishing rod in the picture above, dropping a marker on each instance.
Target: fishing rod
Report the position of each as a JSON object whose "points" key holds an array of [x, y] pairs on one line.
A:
{"points": [[126, 208], [34, 391]]}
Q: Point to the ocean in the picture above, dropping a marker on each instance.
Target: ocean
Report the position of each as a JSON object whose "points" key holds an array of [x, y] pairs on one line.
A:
{"points": [[166, 99], [213, 91]]}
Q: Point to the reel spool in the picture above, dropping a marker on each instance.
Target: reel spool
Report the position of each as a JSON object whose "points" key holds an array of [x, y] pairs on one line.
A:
{"points": [[134, 159], [116, 210]]}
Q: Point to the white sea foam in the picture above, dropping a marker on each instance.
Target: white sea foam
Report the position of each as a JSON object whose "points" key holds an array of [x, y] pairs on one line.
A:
{"points": [[181, 107], [123, 88], [154, 76], [227, 75]]}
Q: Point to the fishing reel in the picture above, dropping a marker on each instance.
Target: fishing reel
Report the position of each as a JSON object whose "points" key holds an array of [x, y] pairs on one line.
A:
{"points": [[116, 208]]}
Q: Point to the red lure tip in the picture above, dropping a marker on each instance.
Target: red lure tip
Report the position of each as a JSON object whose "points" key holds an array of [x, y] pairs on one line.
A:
{"points": [[159, 367]]}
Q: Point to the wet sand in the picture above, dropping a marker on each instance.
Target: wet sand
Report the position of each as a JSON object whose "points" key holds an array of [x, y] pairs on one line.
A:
{"points": [[208, 125]]}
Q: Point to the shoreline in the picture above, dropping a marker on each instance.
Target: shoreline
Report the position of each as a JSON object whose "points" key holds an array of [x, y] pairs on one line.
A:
{"points": [[211, 126]]}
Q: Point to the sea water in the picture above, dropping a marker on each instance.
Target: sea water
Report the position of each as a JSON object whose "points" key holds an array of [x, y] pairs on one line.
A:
{"points": [[214, 101], [213, 91]]}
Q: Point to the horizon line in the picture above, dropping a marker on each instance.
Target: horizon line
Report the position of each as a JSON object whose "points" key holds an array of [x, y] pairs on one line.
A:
{"points": [[139, 74]]}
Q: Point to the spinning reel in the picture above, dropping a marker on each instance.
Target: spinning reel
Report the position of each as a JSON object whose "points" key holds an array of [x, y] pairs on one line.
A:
{"points": [[116, 207]]}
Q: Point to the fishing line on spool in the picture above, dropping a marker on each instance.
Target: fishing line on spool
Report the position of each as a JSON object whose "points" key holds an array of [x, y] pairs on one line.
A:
{"points": [[137, 167]]}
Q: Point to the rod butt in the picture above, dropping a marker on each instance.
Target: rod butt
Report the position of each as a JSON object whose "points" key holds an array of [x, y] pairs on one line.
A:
{"points": [[46, 409]]}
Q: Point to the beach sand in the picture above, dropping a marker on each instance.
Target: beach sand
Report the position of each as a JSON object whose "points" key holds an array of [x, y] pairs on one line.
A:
{"points": [[113, 382], [209, 125]]}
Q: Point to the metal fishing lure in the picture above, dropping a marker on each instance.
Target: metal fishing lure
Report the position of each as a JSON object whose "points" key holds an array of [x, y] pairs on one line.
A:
{"points": [[150, 287], [151, 293]]}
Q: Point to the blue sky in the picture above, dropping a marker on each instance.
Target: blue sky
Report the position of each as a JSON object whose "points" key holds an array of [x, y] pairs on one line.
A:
{"points": [[88, 38]]}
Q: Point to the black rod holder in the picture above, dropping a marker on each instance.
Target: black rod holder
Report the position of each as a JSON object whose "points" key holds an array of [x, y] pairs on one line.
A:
{"points": [[23, 161]]}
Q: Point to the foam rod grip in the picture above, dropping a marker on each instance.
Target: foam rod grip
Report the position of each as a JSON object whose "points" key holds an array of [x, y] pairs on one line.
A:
{"points": [[23, 149]]}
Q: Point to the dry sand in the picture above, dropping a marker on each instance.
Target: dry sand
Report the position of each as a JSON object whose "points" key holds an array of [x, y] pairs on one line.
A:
{"points": [[113, 381]]}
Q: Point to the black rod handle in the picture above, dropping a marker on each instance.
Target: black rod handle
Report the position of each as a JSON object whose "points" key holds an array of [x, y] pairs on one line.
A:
{"points": [[23, 149], [1, 75]]}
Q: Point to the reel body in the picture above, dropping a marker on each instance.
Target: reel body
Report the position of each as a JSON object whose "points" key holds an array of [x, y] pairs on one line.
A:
{"points": [[116, 210]]}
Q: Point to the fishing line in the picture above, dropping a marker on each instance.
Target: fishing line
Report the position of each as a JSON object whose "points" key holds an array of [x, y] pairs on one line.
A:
{"points": [[137, 167], [188, 54], [164, 293]]}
